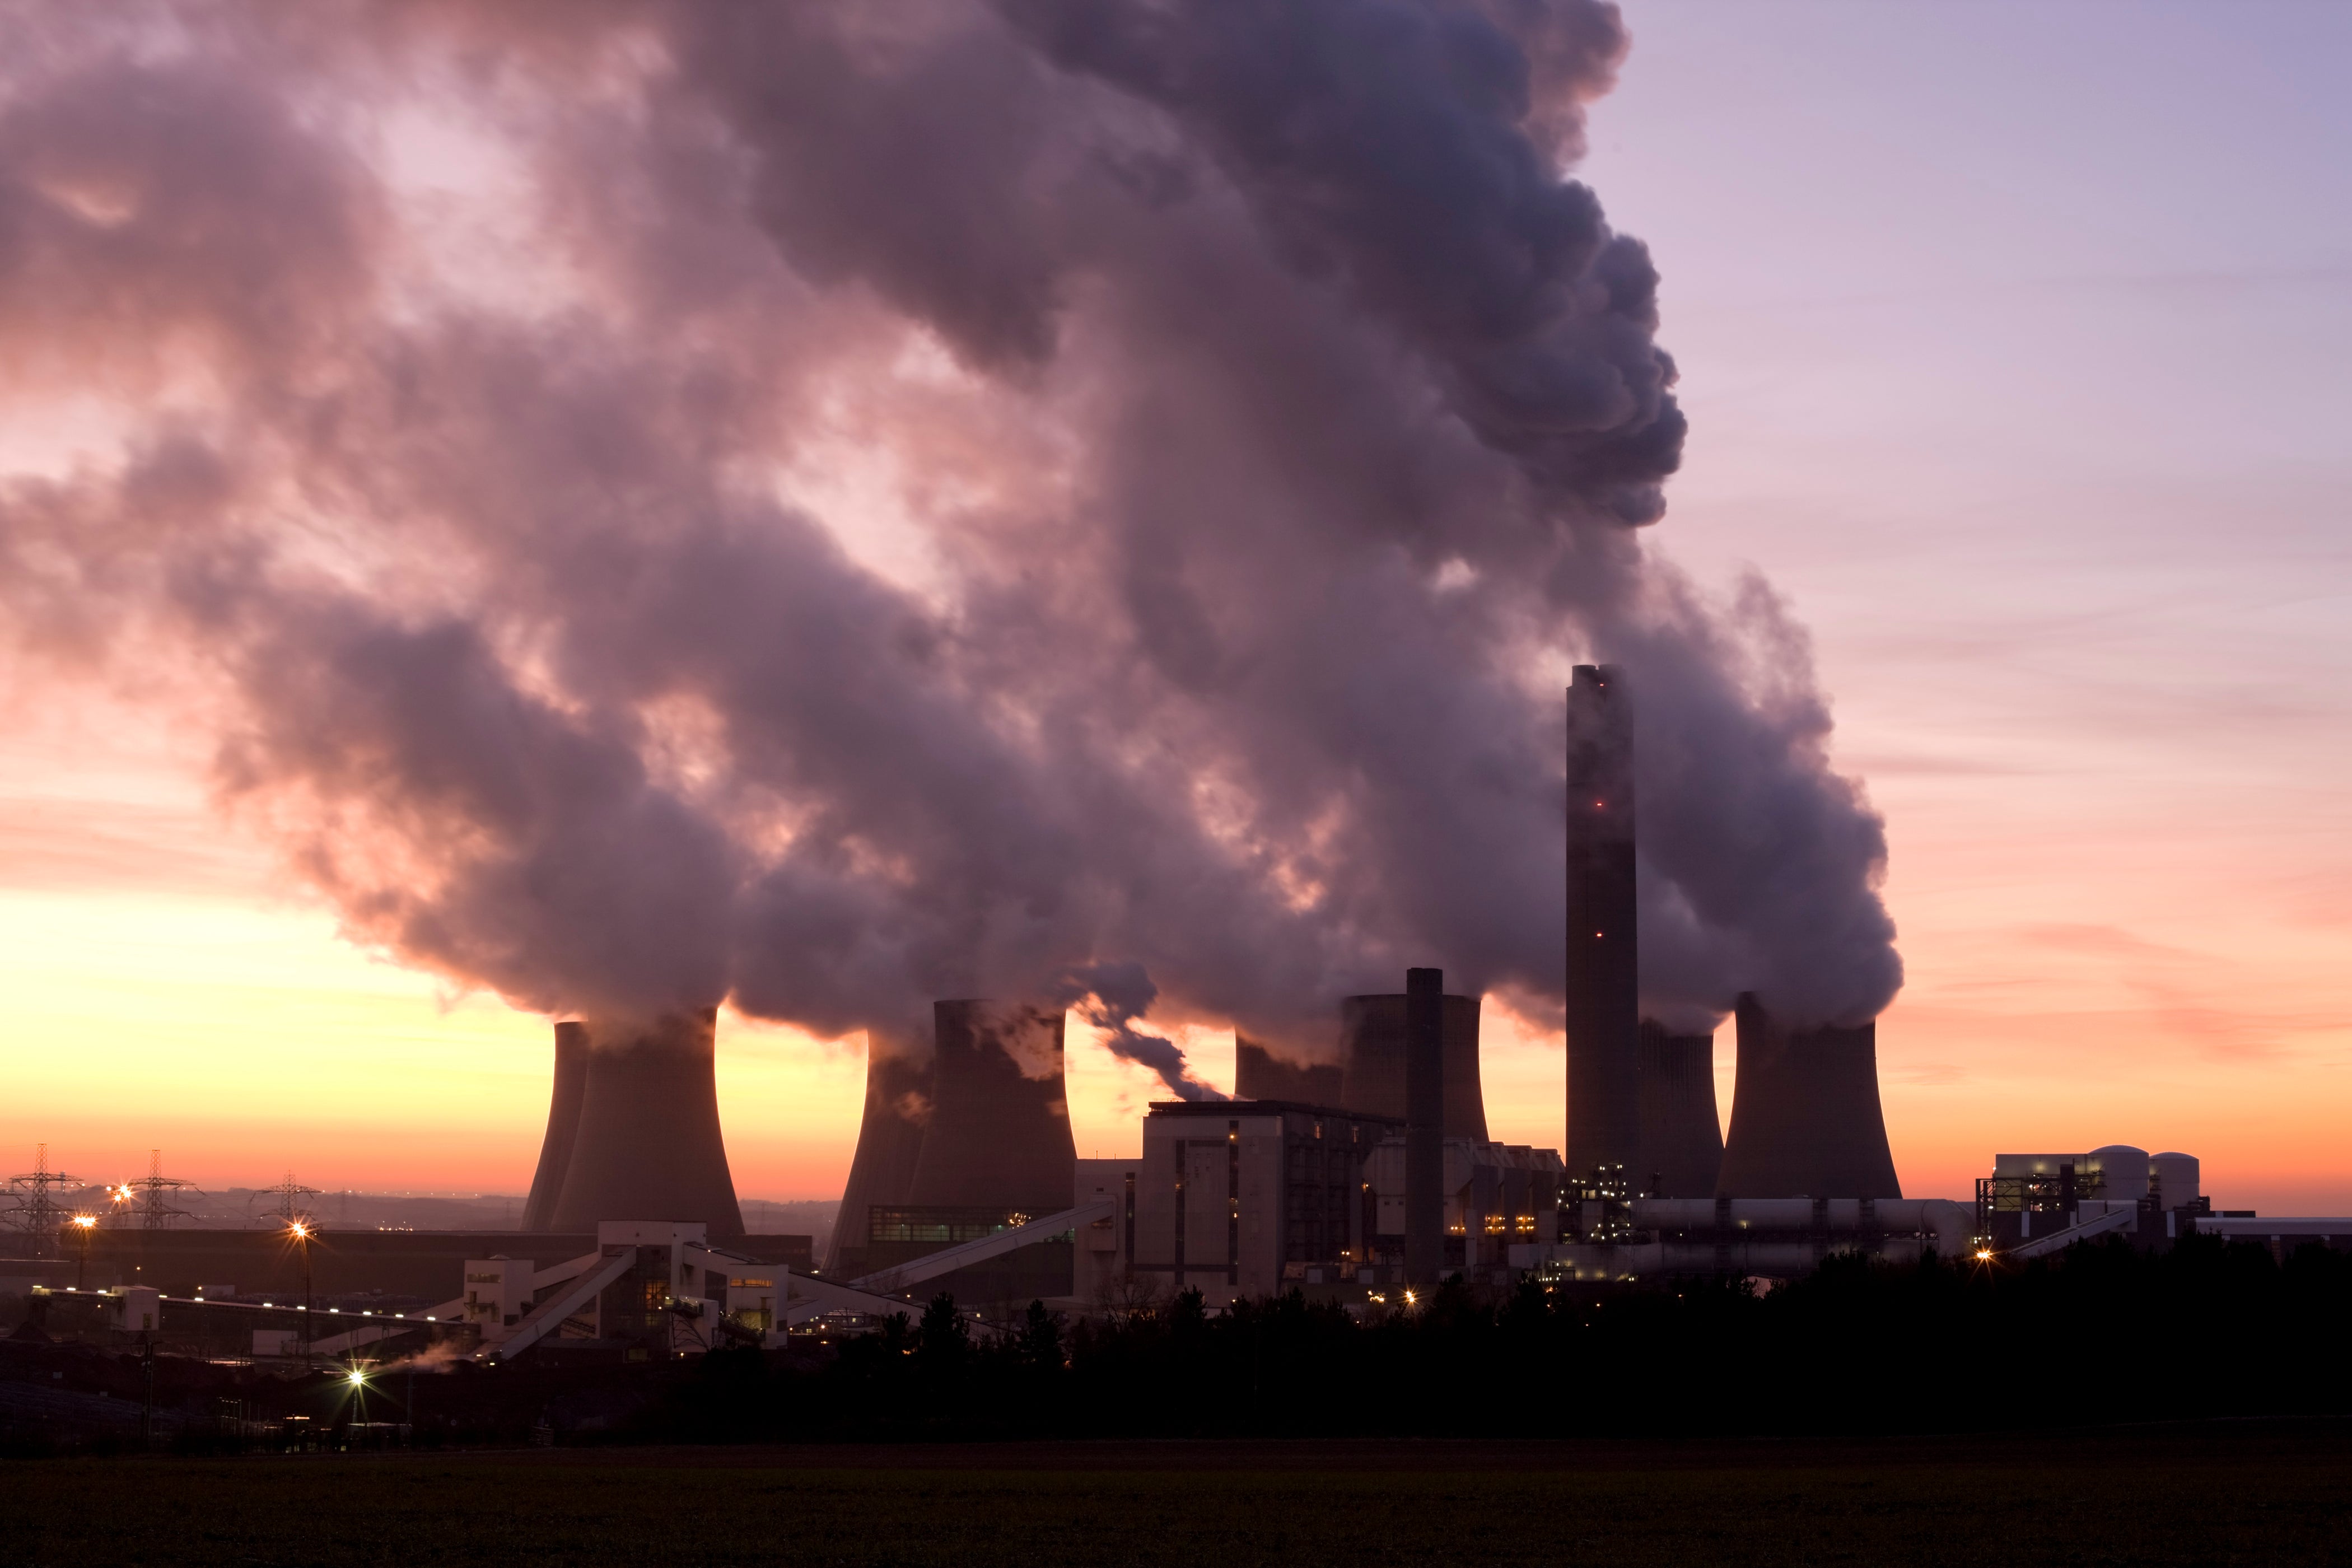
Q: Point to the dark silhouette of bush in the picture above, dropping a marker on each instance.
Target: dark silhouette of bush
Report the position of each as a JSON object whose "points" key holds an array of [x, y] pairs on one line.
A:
{"points": [[2103, 1334]]}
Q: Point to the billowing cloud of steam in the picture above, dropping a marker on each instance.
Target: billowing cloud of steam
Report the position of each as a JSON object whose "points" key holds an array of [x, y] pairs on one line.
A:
{"points": [[837, 505]]}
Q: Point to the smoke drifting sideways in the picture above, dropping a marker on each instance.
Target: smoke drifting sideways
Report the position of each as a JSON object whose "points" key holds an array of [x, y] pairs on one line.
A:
{"points": [[832, 506]]}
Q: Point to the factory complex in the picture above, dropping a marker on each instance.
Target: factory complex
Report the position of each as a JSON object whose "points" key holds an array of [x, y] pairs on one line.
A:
{"points": [[1359, 1175]]}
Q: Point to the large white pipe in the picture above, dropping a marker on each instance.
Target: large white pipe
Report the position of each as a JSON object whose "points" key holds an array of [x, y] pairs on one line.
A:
{"points": [[1947, 1224]]}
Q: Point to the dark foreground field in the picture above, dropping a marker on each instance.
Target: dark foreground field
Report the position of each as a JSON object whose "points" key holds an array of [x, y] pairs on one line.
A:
{"points": [[2255, 1493]]}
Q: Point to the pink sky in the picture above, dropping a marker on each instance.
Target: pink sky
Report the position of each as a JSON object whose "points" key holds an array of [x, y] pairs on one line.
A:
{"points": [[2012, 342]]}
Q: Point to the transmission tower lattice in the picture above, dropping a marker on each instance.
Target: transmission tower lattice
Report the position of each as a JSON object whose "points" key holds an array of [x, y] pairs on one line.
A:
{"points": [[289, 1194], [37, 1211], [149, 1197]]}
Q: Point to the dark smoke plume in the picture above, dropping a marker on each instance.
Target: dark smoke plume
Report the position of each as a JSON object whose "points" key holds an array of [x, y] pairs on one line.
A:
{"points": [[1111, 997], [837, 505]]}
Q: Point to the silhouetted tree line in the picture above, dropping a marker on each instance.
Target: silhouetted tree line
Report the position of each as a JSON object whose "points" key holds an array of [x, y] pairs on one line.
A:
{"points": [[2104, 1333]]}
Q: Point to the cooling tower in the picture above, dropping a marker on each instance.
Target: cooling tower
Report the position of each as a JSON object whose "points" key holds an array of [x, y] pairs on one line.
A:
{"points": [[1373, 1056], [1424, 1124], [1259, 1074], [1682, 1141], [649, 1145], [1604, 1112], [1000, 1131], [1805, 1118], [889, 1140], [562, 1126]]}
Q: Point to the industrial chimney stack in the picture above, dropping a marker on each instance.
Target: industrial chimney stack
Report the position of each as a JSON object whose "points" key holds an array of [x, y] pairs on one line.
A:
{"points": [[1605, 1122], [1424, 1125]]}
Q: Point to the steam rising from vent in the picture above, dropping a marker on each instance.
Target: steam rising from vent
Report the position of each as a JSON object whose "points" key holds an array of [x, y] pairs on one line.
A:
{"points": [[834, 506]]}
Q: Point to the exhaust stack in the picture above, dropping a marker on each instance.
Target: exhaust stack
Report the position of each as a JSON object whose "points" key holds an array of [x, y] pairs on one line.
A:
{"points": [[1682, 1137], [890, 1140], [1373, 1051], [1000, 1131], [1605, 1113], [648, 1144], [562, 1126], [1805, 1114]]}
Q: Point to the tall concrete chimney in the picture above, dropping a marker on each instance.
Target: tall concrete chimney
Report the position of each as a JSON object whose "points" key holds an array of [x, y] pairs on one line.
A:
{"points": [[562, 1126], [999, 1133], [649, 1145], [890, 1140], [1372, 1061], [1805, 1116], [1604, 966], [1424, 1125], [1259, 1074], [1682, 1138]]}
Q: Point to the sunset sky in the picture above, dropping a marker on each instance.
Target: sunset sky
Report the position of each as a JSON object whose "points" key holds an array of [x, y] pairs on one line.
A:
{"points": [[2013, 339]]}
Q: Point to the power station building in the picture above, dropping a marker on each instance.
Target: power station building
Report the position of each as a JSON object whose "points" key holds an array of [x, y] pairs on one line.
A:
{"points": [[1495, 1196], [1235, 1198], [1776, 1237], [650, 1289]]}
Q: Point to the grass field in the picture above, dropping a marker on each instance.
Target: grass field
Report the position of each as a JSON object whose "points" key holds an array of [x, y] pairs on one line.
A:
{"points": [[2268, 1493]]}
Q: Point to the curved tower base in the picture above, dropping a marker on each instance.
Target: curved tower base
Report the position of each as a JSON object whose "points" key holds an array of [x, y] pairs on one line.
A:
{"points": [[1682, 1138], [1000, 1135], [562, 1126], [889, 1140], [1805, 1116], [649, 1145]]}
